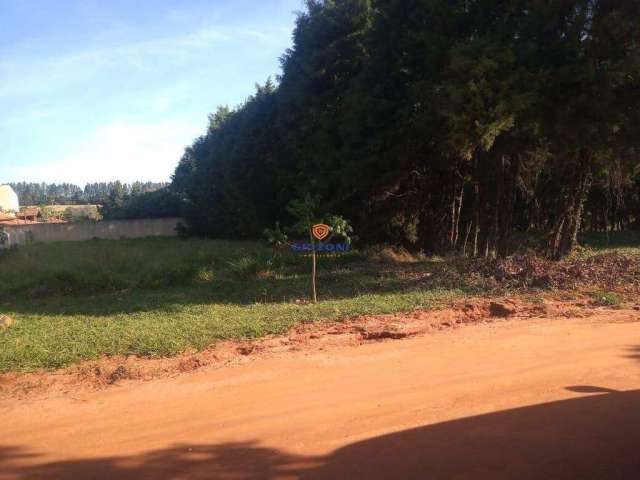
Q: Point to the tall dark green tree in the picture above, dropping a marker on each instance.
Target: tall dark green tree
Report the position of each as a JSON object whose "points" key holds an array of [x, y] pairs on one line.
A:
{"points": [[443, 125]]}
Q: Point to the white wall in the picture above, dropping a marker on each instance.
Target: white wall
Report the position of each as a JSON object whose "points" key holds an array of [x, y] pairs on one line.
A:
{"points": [[111, 229]]}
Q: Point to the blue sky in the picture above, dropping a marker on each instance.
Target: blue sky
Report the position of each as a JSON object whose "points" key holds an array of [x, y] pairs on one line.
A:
{"points": [[99, 90]]}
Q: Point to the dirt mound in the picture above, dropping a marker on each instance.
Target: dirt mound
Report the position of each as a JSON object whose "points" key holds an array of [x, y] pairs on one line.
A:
{"points": [[389, 254], [611, 271]]}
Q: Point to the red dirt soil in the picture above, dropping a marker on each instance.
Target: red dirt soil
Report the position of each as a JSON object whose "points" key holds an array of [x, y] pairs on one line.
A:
{"points": [[550, 392]]}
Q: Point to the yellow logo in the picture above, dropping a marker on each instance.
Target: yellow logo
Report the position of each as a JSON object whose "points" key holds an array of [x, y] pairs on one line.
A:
{"points": [[320, 231]]}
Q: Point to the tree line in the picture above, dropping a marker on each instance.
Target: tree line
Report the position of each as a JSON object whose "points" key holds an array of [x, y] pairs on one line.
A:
{"points": [[444, 125], [31, 193], [117, 200]]}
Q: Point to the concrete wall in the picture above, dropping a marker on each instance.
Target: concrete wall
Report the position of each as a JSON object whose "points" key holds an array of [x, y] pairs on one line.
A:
{"points": [[111, 229]]}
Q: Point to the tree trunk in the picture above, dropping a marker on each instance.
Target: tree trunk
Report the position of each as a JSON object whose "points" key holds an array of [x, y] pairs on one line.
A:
{"points": [[564, 236], [458, 214], [492, 244], [466, 240], [452, 233], [508, 207], [456, 210], [476, 209]]}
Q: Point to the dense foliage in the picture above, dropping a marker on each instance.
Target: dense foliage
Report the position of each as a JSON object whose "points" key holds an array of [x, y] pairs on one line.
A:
{"points": [[161, 203], [439, 124]]}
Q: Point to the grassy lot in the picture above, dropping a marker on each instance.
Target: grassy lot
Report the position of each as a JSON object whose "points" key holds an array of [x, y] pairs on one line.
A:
{"points": [[159, 297]]}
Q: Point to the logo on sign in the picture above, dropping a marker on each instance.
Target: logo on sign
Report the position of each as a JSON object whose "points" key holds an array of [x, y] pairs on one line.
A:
{"points": [[320, 231]]}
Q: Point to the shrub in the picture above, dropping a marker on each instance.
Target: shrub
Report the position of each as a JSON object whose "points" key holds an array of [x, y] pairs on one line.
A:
{"points": [[606, 299], [245, 267]]}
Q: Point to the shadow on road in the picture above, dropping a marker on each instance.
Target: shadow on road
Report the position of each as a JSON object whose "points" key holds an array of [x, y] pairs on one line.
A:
{"points": [[595, 436], [634, 352]]}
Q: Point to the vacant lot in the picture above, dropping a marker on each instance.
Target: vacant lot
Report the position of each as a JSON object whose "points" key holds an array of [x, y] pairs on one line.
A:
{"points": [[159, 297]]}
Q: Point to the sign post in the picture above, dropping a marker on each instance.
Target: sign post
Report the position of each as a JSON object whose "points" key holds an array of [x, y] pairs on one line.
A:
{"points": [[318, 232]]}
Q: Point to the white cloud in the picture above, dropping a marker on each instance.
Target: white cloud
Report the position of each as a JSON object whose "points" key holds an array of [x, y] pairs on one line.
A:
{"points": [[122, 150], [29, 77]]}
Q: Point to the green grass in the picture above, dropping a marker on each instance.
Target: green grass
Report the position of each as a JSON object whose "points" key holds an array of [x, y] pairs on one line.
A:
{"points": [[626, 243], [606, 299], [160, 297], [103, 265], [55, 340]]}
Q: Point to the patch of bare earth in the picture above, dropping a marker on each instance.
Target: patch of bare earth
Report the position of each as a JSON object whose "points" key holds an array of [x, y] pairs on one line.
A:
{"points": [[311, 337]]}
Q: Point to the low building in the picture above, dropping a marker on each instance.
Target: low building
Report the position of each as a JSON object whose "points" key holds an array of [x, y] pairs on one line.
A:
{"points": [[28, 214]]}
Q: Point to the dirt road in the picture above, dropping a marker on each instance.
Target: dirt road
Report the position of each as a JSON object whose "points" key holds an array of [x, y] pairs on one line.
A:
{"points": [[541, 398]]}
